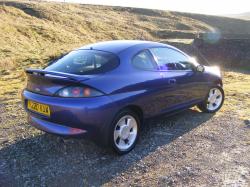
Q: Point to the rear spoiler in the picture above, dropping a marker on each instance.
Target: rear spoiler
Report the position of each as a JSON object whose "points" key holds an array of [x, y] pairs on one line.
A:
{"points": [[57, 74]]}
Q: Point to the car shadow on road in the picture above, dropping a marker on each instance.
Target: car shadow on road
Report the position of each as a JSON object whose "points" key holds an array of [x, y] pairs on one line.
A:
{"points": [[48, 159]]}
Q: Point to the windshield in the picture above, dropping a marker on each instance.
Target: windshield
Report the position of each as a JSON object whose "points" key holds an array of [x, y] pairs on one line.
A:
{"points": [[85, 62]]}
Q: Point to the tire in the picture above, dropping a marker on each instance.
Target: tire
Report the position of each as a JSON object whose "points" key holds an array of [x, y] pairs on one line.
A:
{"points": [[213, 103], [124, 132]]}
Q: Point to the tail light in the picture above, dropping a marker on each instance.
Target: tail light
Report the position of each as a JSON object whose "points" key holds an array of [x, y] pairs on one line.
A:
{"points": [[78, 91]]}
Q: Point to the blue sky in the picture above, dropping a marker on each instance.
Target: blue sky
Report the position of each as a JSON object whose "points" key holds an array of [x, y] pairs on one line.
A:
{"points": [[214, 7]]}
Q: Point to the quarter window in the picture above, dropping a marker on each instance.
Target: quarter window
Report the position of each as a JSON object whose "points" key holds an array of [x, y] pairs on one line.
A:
{"points": [[170, 59], [143, 60]]}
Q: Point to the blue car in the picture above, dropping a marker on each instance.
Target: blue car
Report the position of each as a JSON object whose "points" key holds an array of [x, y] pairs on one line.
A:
{"points": [[105, 91]]}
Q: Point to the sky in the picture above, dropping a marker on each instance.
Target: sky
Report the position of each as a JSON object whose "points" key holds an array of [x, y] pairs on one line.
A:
{"points": [[213, 7]]}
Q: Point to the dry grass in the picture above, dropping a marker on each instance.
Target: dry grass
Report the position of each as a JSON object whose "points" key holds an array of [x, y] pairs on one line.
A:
{"points": [[32, 33], [237, 90]]}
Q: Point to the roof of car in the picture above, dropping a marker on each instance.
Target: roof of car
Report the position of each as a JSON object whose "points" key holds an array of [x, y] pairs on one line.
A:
{"points": [[117, 46]]}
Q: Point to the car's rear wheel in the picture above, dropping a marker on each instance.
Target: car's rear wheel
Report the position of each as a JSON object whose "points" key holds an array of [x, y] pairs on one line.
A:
{"points": [[213, 101], [125, 131]]}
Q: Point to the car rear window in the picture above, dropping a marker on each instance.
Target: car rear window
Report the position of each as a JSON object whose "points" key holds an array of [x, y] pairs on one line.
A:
{"points": [[85, 62]]}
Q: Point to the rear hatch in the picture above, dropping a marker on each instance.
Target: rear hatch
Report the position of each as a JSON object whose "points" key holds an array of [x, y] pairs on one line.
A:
{"points": [[49, 82], [76, 66]]}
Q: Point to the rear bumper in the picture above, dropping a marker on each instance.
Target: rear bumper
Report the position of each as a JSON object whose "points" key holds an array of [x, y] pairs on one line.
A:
{"points": [[87, 117], [54, 128]]}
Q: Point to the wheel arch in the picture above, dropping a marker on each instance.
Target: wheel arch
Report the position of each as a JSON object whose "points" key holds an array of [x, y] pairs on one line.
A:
{"points": [[136, 109], [218, 82]]}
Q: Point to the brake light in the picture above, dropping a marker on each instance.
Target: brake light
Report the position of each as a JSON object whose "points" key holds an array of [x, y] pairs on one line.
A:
{"points": [[78, 91]]}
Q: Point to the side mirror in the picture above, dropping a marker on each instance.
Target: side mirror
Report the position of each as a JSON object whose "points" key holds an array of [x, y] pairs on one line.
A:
{"points": [[200, 68]]}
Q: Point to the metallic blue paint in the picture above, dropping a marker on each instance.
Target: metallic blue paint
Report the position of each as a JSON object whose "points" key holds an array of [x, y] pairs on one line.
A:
{"points": [[53, 127], [150, 91]]}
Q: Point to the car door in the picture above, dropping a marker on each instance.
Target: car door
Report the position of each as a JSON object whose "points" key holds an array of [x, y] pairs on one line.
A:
{"points": [[179, 78], [157, 93]]}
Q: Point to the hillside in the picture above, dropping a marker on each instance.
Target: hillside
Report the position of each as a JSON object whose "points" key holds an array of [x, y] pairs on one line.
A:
{"points": [[245, 16], [189, 149], [223, 24], [32, 32]]}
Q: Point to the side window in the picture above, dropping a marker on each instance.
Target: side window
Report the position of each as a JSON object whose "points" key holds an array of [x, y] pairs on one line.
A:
{"points": [[170, 59], [143, 60]]}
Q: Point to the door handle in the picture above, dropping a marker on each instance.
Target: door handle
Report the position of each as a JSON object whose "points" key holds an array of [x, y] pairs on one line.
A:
{"points": [[171, 81]]}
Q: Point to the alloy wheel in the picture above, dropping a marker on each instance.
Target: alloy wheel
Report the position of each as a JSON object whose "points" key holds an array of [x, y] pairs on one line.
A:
{"points": [[125, 132], [214, 99]]}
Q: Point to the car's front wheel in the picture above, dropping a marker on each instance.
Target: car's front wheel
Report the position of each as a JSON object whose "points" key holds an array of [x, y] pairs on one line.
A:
{"points": [[125, 131], [213, 101]]}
